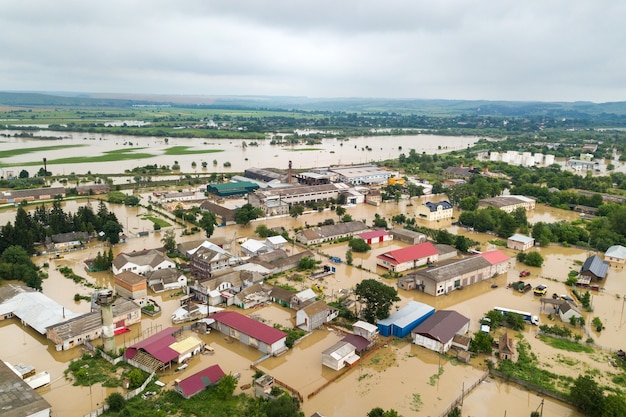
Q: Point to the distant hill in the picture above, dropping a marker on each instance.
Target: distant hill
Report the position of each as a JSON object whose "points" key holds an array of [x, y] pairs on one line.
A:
{"points": [[425, 107]]}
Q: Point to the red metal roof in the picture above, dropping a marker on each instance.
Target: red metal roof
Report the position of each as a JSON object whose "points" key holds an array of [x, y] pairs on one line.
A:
{"points": [[251, 327], [494, 257], [359, 342], [200, 380], [410, 253], [157, 345], [372, 234]]}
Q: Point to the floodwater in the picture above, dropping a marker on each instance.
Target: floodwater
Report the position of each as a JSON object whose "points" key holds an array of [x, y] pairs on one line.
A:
{"points": [[401, 376], [329, 152]]}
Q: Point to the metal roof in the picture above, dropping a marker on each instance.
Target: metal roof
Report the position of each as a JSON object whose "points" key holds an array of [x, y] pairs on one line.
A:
{"points": [[407, 314], [442, 326]]}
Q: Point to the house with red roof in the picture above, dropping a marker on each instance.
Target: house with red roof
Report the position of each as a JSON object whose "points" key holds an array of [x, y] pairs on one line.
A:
{"points": [[500, 262], [376, 236], [199, 381], [267, 339], [160, 350], [407, 258]]}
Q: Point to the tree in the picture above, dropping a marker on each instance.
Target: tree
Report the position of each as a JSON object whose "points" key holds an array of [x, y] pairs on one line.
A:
{"points": [[358, 245], [349, 258], [515, 321], [533, 258], [614, 406], [131, 200], [378, 299], [24, 174], [169, 241], [306, 262], [379, 221], [469, 203], [226, 386], [116, 402], [587, 396], [340, 211], [247, 213], [262, 230], [207, 222], [346, 218], [112, 230], [481, 342], [296, 210]]}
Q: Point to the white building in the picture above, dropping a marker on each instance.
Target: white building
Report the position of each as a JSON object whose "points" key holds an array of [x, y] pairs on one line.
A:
{"points": [[339, 355]]}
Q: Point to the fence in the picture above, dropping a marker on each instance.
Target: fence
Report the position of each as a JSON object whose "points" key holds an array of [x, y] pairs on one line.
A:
{"points": [[459, 400], [128, 396], [557, 396]]}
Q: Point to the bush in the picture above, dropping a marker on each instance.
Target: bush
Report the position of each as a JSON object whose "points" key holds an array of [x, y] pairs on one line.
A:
{"points": [[116, 402]]}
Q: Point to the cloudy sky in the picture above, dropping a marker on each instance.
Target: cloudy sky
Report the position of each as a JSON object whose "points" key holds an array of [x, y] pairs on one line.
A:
{"points": [[549, 50]]}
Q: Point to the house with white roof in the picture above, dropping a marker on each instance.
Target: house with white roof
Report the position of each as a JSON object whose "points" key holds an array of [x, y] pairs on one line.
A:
{"points": [[616, 254], [140, 262], [520, 242], [339, 355], [252, 247], [276, 242]]}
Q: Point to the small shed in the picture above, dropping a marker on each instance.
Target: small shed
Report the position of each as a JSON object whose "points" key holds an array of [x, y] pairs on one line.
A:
{"points": [[520, 242], [375, 236], [365, 329], [506, 348], [594, 269], [403, 321], [199, 381]]}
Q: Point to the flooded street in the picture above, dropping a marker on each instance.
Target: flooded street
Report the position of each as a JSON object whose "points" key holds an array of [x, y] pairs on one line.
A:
{"points": [[401, 376]]}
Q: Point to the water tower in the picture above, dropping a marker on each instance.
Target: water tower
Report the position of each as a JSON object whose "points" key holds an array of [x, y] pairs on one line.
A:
{"points": [[104, 299]]}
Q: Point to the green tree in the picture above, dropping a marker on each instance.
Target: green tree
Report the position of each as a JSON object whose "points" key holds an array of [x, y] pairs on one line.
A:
{"points": [[481, 342], [131, 200], [469, 203], [515, 321], [340, 211], [358, 245], [349, 258], [226, 386], [614, 406], [307, 262], [112, 230], [207, 222], [136, 377], [296, 210], [495, 318], [587, 396], [116, 402], [169, 241], [346, 218], [247, 213], [379, 221], [24, 174], [533, 259], [455, 412], [377, 297]]}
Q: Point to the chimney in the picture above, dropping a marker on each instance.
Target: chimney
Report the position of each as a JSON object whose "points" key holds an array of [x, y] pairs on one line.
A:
{"points": [[460, 164], [289, 174], [485, 170]]}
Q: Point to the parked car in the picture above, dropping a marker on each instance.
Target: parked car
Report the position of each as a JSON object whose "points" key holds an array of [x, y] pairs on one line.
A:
{"points": [[524, 273], [540, 290], [566, 298]]}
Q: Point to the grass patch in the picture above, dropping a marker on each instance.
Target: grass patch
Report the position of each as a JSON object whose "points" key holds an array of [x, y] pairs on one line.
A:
{"points": [[416, 404], [109, 156], [156, 220], [564, 344], [433, 378], [185, 150], [18, 152], [302, 149]]}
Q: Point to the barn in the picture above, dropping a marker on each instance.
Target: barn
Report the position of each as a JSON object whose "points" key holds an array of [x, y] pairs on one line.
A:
{"points": [[375, 236]]}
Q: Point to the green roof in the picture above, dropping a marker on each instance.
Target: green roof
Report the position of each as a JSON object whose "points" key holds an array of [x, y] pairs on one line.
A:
{"points": [[232, 188]]}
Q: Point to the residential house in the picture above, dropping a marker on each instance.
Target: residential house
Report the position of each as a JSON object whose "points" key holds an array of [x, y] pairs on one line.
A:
{"points": [[251, 297], [506, 348], [411, 257], [520, 242], [250, 332], [199, 381], [594, 269], [408, 236], [401, 322], [329, 233], [460, 172], [75, 331], [567, 310], [276, 261], [281, 296], [375, 236], [69, 240], [435, 211], [252, 247], [140, 262], [209, 258], [222, 287], [263, 386], [437, 331], [366, 330], [161, 350], [276, 242], [166, 279], [131, 285], [615, 254], [224, 214], [188, 248], [93, 189], [302, 298], [18, 399], [339, 355], [314, 315]]}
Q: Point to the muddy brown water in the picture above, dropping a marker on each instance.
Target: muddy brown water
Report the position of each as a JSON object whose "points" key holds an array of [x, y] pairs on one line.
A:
{"points": [[401, 376]]}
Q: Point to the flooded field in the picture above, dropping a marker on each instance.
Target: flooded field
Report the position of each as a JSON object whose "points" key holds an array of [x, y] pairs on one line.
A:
{"points": [[400, 376], [329, 152]]}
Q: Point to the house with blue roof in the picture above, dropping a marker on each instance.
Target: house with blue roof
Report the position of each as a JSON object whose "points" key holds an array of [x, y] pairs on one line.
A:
{"points": [[616, 254], [594, 269], [403, 321]]}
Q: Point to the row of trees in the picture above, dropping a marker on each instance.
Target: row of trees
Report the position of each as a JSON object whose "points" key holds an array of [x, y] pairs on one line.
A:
{"points": [[29, 229]]}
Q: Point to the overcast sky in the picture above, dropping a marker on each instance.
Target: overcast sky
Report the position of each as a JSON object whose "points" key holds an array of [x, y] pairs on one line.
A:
{"points": [[548, 50]]}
